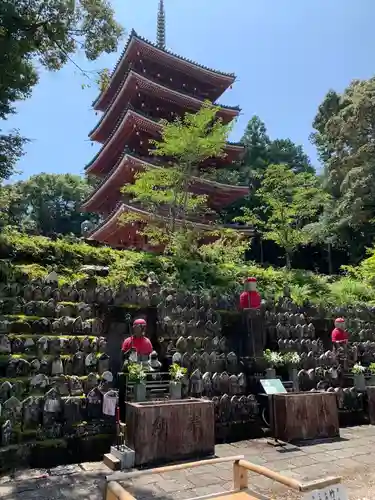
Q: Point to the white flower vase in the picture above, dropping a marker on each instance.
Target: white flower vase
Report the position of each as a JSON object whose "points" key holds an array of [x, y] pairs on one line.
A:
{"points": [[359, 381], [140, 392], [270, 373], [175, 390]]}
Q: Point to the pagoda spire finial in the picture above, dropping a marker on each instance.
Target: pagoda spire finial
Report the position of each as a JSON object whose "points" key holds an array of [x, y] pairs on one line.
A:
{"points": [[160, 34]]}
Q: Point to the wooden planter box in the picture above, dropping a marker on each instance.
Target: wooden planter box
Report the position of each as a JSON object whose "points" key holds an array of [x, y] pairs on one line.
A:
{"points": [[163, 431], [304, 415]]}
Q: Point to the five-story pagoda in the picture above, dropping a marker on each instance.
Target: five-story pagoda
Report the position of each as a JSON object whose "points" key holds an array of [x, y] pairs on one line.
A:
{"points": [[147, 84]]}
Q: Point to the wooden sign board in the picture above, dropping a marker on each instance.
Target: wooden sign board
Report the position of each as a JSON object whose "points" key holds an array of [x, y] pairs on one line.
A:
{"points": [[273, 386], [334, 492]]}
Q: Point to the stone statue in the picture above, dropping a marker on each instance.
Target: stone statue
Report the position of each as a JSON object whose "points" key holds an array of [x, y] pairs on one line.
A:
{"points": [[138, 342], [339, 334], [250, 302], [250, 297], [153, 364], [86, 227]]}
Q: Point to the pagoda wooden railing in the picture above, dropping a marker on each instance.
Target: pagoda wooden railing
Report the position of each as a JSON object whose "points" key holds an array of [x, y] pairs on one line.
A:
{"points": [[240, 491]]}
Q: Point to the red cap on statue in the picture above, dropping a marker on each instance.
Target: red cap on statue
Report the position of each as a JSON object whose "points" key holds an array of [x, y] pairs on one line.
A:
{"points": [[250, 298], [139, 321]]}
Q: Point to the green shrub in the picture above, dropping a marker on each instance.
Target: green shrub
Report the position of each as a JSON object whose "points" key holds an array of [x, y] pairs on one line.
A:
{"points": [[349, 291], [28, 257]]}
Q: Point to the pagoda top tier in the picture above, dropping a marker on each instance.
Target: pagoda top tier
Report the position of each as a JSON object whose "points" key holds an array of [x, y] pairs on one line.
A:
{"points": [[139, 49]]}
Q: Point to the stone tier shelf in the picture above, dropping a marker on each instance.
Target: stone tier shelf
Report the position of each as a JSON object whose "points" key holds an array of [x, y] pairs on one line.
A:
{"points": [[49, 453], [50, 360], [39, 383], [289, 319], [23, 325], [52, 416], [87, 291]]}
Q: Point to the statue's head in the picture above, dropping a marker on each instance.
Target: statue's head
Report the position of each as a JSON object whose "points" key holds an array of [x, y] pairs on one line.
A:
{"points": [[139, 327], [251, 284], [340, 323], [86, 227]]}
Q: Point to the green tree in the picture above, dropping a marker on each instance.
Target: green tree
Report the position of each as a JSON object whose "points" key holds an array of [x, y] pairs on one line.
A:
{"points": [[324, 231], [185, 143], [345, 139], [256, 143], [46, 32], [8, 198], [49, 203], [287, 202], [285, 152], [261, 151], [11, 149]]}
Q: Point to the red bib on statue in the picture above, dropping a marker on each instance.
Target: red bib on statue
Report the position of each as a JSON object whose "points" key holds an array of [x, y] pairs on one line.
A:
{"points": [[250, 300], [339, 335], [142, 345]]}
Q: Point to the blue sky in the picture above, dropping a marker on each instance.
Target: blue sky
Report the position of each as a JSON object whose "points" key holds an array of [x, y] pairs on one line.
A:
{"points": [[286, 54]]}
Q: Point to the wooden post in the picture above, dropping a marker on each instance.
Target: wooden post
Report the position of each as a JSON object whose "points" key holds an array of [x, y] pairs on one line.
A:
{"points": [[240, 479], [116, 492], [127, 476]]}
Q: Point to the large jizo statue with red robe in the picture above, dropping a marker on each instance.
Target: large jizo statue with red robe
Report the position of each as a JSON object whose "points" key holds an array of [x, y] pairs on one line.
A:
{"points": [[252, 344], [250, 298], [339, 334], [138, 347]]}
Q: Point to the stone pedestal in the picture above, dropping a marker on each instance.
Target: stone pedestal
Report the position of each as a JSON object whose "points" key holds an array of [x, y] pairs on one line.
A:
{"points": [[304, 415], [166, 431], [125, 455], [253, 344]]}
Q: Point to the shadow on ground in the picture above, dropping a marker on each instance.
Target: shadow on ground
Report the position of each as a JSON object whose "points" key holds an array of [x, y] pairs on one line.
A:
{"points": [[85, 486]]}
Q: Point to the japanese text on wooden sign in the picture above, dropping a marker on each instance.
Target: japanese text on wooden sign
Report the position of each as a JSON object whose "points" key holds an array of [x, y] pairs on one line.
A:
{"points": [[334, 492]]}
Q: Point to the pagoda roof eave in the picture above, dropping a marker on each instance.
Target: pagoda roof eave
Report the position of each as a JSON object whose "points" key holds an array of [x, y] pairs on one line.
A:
{"points": [[151, 124], [135, 38], [122, 208], [241, 191], [232, 111]]}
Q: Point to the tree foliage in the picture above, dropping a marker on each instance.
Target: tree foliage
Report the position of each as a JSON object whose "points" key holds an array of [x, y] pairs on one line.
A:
{"points": [[261, 151], [345, 138], [49, 203], [53, 30], [286, 152], [11, 149], [46, 32], [166, 191], [287, 202], [257, 143]]}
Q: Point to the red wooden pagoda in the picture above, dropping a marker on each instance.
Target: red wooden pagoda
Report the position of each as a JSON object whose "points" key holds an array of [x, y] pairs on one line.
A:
{"points": [[147, 84]]}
